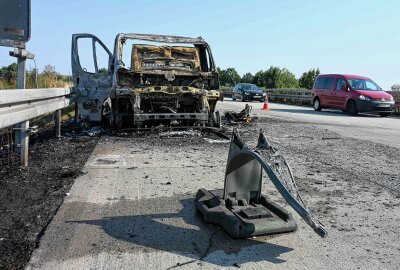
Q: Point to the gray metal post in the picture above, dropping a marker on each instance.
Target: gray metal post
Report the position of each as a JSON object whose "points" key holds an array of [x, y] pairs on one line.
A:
{"points": [[58, 123], [36, 74], [21, 136]]}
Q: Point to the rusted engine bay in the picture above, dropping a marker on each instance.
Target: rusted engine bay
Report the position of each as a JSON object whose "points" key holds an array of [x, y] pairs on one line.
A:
{"points": [[167, 86]]}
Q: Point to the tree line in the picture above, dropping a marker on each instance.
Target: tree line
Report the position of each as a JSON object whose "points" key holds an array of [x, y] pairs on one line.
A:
{"points": [[395, 87], [274, 77], [47, 78]]}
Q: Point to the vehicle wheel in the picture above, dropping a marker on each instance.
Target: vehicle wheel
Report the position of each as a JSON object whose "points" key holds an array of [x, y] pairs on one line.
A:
{"points": [[233, 98], [112, 118], [118, 120], [242, 98], [216, 119], [352, 108], [317, 105], [385, 114]]}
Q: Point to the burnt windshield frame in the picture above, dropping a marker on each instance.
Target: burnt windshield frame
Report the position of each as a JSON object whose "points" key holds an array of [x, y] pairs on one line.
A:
{"points": [[121, 39]]}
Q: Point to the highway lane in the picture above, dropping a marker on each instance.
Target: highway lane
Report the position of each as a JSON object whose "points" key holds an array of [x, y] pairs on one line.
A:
{"points": [[133, 207], [367, 127]]}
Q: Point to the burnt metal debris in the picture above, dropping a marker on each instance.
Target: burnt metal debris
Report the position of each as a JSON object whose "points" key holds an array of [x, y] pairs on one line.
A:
{"points": [[233, 117], [240, 208], [173, 83]]}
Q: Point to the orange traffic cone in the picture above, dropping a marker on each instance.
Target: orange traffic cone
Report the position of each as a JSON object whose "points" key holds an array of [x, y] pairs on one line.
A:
{"points": [[266, 105]]}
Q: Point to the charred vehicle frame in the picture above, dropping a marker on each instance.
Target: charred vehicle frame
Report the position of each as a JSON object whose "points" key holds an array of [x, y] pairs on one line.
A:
{"points": [[174, 82]]}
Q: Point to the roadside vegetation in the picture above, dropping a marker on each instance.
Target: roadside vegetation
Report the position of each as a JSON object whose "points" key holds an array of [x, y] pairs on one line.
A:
{"points": [[395, 87], [272, 78], [47, 78]]}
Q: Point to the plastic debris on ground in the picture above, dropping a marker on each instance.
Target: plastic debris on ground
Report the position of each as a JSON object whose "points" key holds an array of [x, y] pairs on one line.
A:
{"points": [[233, 117]]}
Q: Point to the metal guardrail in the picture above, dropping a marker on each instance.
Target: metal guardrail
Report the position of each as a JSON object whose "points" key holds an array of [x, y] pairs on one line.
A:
{"points": [[300, 95], [17, 105], [292, 97], [289, 94]]}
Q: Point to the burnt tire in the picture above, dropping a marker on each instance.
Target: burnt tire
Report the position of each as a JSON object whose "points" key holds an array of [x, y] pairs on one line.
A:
{"points": [[385, 114], [317, 105], [112, 118], [216, 119], [118, 120], [352, 108]]}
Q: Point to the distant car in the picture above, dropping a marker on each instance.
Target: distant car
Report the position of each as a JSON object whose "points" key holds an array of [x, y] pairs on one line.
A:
{"points": [[351, 94], [247, 92]]}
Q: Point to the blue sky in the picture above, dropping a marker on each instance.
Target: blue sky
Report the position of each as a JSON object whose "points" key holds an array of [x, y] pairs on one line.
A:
{"points": [[357, 37]]}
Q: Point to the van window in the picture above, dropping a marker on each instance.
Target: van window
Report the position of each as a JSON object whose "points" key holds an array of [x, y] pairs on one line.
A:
{"points": [[324, 83], [320, 83], [329, 83], [339, 84]]}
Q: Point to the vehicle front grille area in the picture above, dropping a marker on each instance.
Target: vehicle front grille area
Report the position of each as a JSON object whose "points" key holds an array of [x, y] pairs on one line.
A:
{"points": [[381, 99], [171, 103]]}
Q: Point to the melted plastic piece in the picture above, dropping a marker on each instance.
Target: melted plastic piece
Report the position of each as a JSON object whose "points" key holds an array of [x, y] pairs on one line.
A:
{"points": [[240, 208], [279, 173]]}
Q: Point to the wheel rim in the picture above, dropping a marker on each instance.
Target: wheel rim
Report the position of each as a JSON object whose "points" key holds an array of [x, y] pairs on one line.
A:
{"points": [[316, 104]]}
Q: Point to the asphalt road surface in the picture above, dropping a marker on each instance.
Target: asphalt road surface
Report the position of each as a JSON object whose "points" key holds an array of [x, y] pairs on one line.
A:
{"points": [[133, 206], [368, 127]]}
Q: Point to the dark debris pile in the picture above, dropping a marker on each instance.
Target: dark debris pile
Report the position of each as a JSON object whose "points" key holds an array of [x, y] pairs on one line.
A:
{"points": [[29, 197], [232, 117]]}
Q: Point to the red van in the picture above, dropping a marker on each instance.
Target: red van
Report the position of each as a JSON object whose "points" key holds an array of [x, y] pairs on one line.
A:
{"points": [[351, 94]]}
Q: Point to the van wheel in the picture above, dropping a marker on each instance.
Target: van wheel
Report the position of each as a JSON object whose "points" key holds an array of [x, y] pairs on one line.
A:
{"points": [[233, 98], [112, 118], [216, 119], [352, 108], [317, 105], [118, 120], [242, 98], [385, 114]]}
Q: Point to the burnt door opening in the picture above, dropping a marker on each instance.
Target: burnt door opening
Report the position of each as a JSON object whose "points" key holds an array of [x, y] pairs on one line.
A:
{"points": [[92, 72]]}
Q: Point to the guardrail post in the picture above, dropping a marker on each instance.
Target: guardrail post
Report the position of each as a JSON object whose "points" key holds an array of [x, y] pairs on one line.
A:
{"points": [[58, 123], [21, 138], [21, 135]]}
